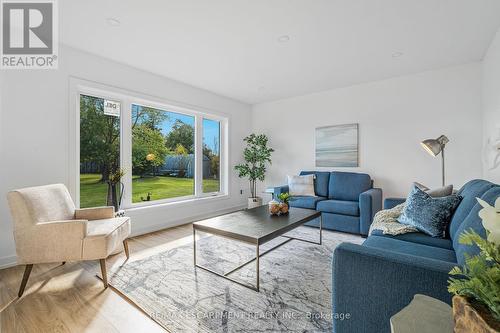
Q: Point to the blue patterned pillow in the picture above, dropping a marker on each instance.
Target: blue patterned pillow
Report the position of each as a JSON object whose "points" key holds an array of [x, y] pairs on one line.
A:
{"points": [[429, 215]]}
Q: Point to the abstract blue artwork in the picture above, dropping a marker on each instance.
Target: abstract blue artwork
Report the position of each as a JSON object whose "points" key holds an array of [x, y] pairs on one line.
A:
{"points": [[337, 146]]}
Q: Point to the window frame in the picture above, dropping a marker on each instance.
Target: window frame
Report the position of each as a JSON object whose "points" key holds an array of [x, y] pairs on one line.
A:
{"points": [[211, 194], [127, 98]]}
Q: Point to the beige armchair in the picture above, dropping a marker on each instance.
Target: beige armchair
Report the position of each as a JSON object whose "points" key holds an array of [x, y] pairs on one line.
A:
{"points": [[48, 228]]}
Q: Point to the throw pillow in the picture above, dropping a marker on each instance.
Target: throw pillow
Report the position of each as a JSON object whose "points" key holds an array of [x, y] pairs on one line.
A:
{"points": [[301, 185], [437, 192], [429, 215]]}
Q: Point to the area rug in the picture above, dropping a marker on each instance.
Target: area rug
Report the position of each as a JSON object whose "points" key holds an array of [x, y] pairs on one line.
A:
{"points": [[295, 285]]}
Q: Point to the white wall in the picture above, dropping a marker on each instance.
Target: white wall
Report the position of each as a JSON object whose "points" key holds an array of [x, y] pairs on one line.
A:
{"points": [[491, 101], [34, 133], [394, 116]]}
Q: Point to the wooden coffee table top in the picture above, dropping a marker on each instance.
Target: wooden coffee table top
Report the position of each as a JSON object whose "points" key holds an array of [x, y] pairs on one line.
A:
{"points": [[255, 226]]}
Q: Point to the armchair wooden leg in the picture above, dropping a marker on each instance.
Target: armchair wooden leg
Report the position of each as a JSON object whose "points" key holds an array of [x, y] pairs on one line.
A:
{"points": [[125, 246], [104, 273], [26, 276]]}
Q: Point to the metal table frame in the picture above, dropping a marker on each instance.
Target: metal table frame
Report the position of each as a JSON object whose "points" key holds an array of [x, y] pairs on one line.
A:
{"points": [[258, 255]]}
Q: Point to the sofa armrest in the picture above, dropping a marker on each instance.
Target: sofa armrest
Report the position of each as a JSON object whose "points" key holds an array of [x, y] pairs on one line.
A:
{"points": [[279, 190], [393, 202], [370, 202], [95, 213], [62, 229], [52, 241], [373, 284]]}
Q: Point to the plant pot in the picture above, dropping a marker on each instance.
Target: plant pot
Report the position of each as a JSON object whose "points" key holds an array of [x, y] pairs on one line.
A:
{"points": [[472, 318], [254, 202]]}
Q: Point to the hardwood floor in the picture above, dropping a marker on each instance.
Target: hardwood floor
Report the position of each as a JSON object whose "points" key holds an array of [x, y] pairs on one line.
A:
{"points": [[70, 298]]}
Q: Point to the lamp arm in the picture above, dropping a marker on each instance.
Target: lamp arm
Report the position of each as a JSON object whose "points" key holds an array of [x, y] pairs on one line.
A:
{"points": [[442, 165]]}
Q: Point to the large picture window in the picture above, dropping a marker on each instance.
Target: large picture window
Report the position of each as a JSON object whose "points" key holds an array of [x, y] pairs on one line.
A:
{"points": [[163, 153]]}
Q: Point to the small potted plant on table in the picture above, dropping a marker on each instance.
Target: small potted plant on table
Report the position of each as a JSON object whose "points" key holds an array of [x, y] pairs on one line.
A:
{"points": [[281, 205]]}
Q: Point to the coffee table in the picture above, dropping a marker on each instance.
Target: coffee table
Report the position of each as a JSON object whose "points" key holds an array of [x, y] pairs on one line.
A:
{"points": [[255, 226]]}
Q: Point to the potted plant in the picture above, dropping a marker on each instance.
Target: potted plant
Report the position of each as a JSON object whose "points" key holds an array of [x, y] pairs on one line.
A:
{"points": [[280, 205], [284, 199], [256, 154], [476, 304], [114, 180]]}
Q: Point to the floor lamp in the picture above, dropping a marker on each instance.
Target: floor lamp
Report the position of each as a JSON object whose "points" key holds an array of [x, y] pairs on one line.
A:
{"points": [[434, 147]]}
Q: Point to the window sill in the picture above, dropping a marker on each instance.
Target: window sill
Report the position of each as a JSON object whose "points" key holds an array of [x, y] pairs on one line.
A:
{"points": [[177, 203]]}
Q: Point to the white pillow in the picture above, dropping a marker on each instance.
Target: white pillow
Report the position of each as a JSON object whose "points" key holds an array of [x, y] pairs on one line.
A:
{"points": [[301, 185]]}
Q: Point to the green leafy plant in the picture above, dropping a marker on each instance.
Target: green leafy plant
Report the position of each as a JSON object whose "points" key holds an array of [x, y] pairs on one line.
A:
{"points": [[114, 194], [116, 176], [257, 154], [285, 197], [479, 279]]}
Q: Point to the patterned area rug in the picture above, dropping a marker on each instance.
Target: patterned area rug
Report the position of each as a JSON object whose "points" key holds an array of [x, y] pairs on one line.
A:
{"points": [[295, 285]]}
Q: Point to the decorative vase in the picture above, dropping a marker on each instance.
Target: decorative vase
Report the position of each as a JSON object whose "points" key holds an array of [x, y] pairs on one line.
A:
{"points": [[283, 208], [113, 199], [254, 202], [472, 319], [274, 207]]}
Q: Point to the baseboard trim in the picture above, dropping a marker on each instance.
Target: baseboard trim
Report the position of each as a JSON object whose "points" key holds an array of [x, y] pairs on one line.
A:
{"points": [[170, 224], [9, 261]]}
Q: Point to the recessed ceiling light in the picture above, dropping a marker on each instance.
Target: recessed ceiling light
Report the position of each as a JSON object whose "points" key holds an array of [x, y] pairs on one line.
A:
{"points": [[397, 54], [112, 22], [283, 39]]}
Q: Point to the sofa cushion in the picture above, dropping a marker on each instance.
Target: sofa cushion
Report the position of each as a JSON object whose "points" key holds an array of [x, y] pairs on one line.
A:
{"points": [[339, 207], [469, 192], [320, 182], [348, 185], [419, 238], [305, 202], [104, 237], [419, 250], [338, 222], [473, 222], [429, 215]]}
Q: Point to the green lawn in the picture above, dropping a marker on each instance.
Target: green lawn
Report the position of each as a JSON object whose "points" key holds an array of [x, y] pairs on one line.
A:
{"points": [[93, 193]]}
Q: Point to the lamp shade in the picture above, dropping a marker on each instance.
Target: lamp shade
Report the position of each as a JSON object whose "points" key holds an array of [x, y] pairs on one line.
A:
{"points": [[435, 146], [432, 146]]}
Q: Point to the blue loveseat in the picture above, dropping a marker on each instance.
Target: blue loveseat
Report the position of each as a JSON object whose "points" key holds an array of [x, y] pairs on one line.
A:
{"points": [[375, 280], [347, 201]]}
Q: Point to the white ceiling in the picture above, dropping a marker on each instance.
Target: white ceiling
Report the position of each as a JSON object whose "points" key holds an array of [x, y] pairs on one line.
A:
{"points": [[231, 47]]}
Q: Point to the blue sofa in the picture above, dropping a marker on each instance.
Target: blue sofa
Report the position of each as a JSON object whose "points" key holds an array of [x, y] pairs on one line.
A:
{"points": [[375, 280], [347, 201]]}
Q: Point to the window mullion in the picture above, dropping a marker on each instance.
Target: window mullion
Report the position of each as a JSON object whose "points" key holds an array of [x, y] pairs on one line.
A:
{"points": [[126, 152], [198, 156], [223, 166]]}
